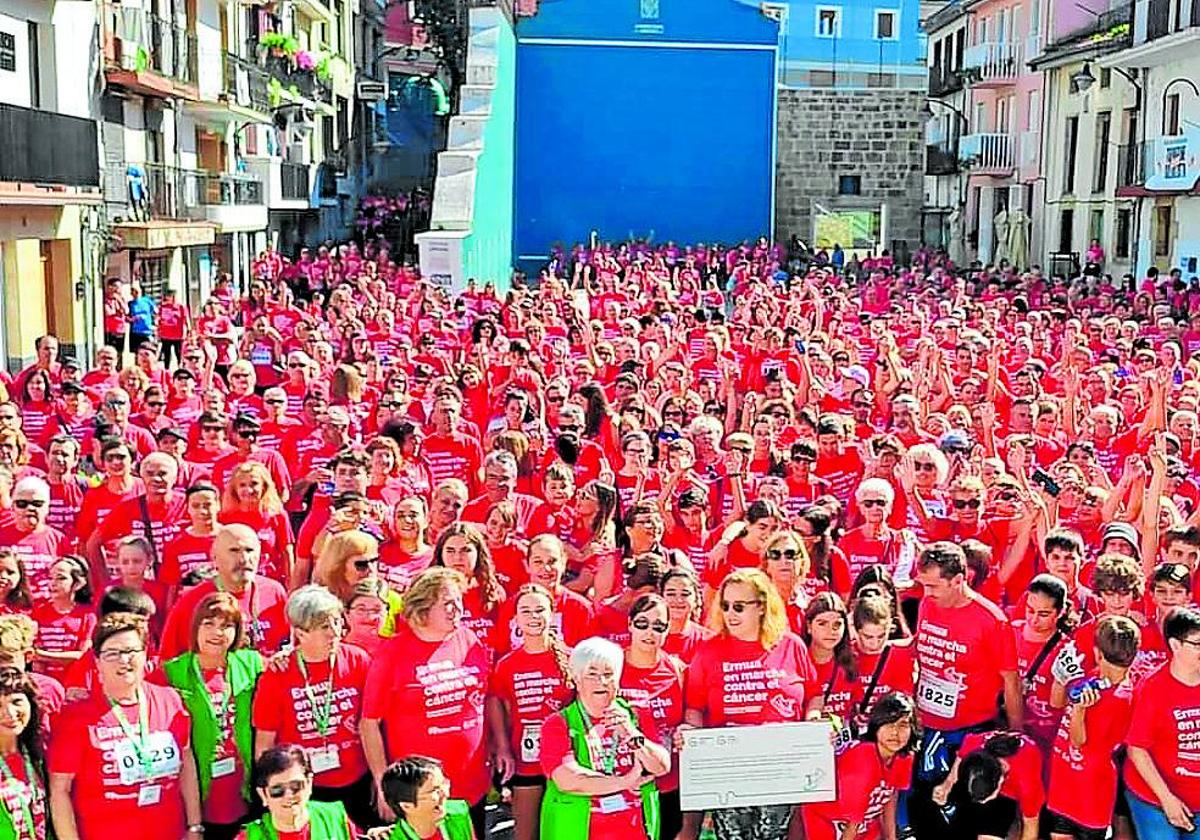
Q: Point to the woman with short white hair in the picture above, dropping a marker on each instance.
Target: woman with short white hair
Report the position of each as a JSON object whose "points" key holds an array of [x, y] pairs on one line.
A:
{"points": [[599, 766]]}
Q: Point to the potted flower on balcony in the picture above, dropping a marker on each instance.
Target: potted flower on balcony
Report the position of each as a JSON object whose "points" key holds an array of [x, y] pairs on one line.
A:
{"points": [[306, 61], [279, 45]]}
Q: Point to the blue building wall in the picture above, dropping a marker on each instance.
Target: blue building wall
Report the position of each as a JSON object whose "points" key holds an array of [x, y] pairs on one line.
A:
{"points": [[614, 131], [854, 46]]}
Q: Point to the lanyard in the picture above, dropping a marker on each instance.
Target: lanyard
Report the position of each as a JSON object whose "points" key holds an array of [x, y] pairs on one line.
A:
{"points": [[139, 739], [254, 631], [320, 716], [25, 801], [608, 757], [221, 712]]}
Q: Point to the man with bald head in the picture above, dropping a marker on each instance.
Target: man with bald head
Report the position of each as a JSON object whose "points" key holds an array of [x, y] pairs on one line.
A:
{"points": [[159, 514], [235, 556]]}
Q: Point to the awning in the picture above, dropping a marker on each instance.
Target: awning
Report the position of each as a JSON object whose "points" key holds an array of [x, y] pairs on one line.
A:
{"points": [[164, 234]]}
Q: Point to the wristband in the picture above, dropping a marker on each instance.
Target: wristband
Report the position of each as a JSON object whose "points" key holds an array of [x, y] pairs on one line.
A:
{"points": [[195, 828]]}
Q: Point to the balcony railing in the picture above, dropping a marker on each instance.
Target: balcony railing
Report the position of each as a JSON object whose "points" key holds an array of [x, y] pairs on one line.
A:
{"points": [[993, 61], [290, 77], [987, 151], [155, 191], [42, 147], [246, 84], [293, 179], [143, 42], [943, 81], [940, 160], [1131, 165]]}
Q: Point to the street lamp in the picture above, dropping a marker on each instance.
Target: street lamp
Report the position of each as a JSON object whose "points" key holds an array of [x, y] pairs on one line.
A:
{"points": [[1082, 80]]}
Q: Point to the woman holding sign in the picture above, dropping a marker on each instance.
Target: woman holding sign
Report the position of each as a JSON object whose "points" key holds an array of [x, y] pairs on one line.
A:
{"points": [[529, 685], [752, 648], [120, 759], [600, 757], [216, 680]]}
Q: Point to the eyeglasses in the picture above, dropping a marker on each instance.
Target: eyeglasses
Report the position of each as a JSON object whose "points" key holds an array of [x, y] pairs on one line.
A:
{"points": [[296, 364], [1193, 642], [275, 402], [782, 554], [115, 403], [1008, 496], [960, 504], [22, 504], [739, 606], [280, 791], [119, 654], [388, 404], [239, 376], [365, 563], [647, 624], [925, 466], [556, 400], [155, 404], [742, 450], [214, 429], [870, 503]]}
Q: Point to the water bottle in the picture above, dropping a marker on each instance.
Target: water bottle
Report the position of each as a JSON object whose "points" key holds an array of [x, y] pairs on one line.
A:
{"points": [[1075, 691]]}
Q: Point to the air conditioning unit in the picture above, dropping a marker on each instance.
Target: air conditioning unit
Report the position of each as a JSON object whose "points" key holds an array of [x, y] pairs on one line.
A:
{"points": [[370, 91]]}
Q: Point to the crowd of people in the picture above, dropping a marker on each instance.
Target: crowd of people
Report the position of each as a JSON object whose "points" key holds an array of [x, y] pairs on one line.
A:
{"points": [[301, 564]]}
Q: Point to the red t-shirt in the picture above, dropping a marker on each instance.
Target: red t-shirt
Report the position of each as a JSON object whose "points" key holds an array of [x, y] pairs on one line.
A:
{"points": [[58, 632], [17, 791], [66, 500], [292, 707], [38, 550], [454, 455], [262, 604], [683, 645], [429, 696], [532, 687], [111, 796], [275, 535], [962, 653], [659, 692], [865, 785], [1023, 782], [898, 672], [1041, 719], [185, 554], [167, 519], [738, 557], [1164, 711], [734, 682], [618, 816], [572, 620], [1090, 767]]}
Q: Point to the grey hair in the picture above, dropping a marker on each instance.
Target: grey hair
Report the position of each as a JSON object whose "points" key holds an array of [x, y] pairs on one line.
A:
{"points": [[595, 651], [34, 486], [502, 457], [311, 606], [876, 485]]}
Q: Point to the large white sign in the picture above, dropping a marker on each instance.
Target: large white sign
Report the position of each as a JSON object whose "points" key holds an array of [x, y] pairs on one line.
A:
{"points": [[771, 764], [441, 258]]}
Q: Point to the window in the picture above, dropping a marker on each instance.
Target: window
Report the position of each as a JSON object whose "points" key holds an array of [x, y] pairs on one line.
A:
{"points": [[849, 185], [1066, 230], [885, 25], [8, 52], [1103, 135], [1105, 78], [1171, 115], [35, 72], [1162, 231], [829, 22], [1096, 225], [1069, 158], [1124, 233]]}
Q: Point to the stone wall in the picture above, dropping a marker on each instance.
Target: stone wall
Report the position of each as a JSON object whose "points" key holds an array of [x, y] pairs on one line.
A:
{"points": [[825, 133]]}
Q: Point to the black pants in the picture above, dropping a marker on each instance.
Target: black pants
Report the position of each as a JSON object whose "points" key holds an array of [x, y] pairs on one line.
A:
{"points": [[479, 817], [358, 797], [136, 339], [669, 816], [221, 831], [117, 342], [172, 347]]}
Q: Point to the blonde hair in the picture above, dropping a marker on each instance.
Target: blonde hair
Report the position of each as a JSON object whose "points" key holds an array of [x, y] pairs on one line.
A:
{"points": [[774, 621], [330, 570], [425, 590], [268, 505], [803, 561], [17, 632]]}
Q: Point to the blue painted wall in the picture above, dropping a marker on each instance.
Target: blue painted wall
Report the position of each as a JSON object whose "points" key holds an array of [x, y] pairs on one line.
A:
{"points": [[614, 136]]}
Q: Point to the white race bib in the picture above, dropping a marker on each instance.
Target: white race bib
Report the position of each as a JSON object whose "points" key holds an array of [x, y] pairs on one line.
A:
{"points": [[160, 752], [149, 795], [613, 804], [324, 758], [937, 696], [223, 767], [531, 743]]}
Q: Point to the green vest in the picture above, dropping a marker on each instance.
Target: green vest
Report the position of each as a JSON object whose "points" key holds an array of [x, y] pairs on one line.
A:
{"points": [[456, 825], [7, 832], [327, 821], [242, 670], [567, 816]]}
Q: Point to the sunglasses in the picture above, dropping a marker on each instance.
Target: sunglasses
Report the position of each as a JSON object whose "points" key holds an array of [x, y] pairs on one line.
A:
{"points": [[925, 466], [23, 504], [739, 606], [365, 563], [870, 503], [1007, 497], [275, 402], [280, 791], [782, 553], [959, 504], [156, 404], [647, 624]]}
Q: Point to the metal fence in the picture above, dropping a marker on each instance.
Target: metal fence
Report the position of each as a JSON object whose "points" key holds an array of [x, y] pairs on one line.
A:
{"points": [[47, 148]]}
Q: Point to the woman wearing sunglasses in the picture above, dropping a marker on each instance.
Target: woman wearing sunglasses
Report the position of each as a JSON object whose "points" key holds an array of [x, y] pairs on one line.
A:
{"points": [[346, 560], [283, 777], [652, 680], [786, 563], [529, 684], [315, 701], [752, 644]]}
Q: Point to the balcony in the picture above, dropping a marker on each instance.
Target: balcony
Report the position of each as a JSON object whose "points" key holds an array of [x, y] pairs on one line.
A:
{"points": [[1131, 169], [294, 84], [987, 153], [993, 63], [940, 159], [943, 81], [174, 194], [247, 85], [286, 185], [48, 155], [149, 55]]}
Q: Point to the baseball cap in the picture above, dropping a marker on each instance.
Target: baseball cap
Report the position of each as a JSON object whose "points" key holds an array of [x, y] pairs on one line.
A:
{"points": [[858, 373], [171, 431]]}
